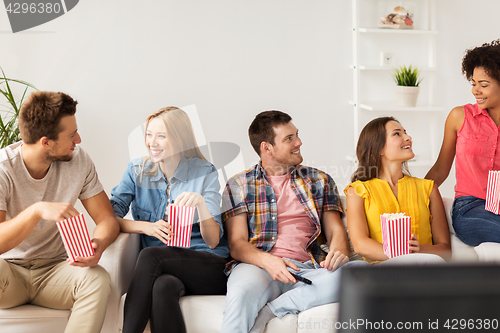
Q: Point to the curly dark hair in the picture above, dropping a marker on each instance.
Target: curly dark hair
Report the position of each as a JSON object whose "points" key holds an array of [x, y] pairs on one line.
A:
{"points": [[486, 56], [41, 113], [262, 127]]}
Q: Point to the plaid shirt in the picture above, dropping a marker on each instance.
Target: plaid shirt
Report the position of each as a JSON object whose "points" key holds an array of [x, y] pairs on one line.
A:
{"points": [[250, 192]]}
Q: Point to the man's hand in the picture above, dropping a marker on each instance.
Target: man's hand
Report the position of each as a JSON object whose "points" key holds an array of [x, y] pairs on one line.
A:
{"points": [[334, 260], [55, 211], [277, 268], [89, 261]]}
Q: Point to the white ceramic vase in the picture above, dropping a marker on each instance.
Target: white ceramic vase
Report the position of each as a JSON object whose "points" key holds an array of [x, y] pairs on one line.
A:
{"points": [[407, 96]]}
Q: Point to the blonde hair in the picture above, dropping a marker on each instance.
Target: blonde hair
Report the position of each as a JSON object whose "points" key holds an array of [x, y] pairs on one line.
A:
{"points": [[180, 136]]}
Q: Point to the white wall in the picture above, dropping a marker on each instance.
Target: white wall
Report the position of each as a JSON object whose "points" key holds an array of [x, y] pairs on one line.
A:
{"points": [[125, 59]]}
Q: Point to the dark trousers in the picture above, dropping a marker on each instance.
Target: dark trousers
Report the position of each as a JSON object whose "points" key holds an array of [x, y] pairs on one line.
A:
{"points": [[162, 276]]}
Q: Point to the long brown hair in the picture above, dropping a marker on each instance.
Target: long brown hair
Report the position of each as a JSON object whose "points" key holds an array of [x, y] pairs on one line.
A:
{"points": [[371, 141]]}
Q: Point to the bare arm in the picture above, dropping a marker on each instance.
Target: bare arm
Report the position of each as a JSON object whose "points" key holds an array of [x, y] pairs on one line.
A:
{"points": [[336, 238], [209, 228], [358, 229], [106, 230], [439, 227], [242, 250], [159, 229], [15, 230], [441, 169]]}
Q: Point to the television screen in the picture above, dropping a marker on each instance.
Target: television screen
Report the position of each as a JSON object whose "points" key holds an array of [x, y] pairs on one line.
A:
{"points": [[420, 298]]}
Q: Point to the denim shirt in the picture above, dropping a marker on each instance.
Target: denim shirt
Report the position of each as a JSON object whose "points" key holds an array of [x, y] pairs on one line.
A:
{"points": [[148, 198]]}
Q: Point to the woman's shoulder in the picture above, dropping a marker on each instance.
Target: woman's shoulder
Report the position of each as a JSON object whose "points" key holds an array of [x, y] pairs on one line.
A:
{"points": [[457, 115], [421, 183], [360, 187]]}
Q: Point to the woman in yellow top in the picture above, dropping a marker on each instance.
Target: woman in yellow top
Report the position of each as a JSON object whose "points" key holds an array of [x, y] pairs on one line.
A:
{"points": [[382, 184]]}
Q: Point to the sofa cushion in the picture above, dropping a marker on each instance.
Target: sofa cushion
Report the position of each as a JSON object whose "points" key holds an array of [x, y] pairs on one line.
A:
{"points": [[489, 252], [318, 319], [32, 318], [203, 314]]}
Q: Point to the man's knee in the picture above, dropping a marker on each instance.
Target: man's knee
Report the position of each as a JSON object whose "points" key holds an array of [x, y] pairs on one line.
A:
{"points": [[12, 289], [95, 280]]}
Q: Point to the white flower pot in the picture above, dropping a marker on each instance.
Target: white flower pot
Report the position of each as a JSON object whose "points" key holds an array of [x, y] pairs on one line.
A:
{"points": [[407, 96]]}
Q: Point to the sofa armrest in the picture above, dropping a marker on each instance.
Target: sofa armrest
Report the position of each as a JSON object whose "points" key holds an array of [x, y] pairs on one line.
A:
{"points": [[119, 261]]}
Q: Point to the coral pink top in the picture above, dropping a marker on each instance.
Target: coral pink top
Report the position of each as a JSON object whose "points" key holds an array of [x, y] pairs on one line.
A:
{"points": [[477, 152]]}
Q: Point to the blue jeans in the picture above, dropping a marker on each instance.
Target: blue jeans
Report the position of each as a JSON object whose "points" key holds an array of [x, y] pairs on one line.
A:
{"points": [[472, 223], [250, 288]]}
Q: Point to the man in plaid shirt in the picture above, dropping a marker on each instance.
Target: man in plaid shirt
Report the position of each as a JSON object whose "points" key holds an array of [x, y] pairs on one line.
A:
{"points": [[277, 214]]}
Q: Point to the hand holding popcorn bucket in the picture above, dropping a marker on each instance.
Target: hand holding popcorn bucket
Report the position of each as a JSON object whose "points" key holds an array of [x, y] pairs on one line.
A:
{"points": [[181, 220], [75, 237], [396, 233]]}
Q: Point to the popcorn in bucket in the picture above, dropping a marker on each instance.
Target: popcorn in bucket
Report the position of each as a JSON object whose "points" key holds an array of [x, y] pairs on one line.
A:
{"points": [[396, 232]]}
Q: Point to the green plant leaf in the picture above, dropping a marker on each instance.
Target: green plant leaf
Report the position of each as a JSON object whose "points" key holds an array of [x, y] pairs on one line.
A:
{"points": [[9, 127], [407, 76]]}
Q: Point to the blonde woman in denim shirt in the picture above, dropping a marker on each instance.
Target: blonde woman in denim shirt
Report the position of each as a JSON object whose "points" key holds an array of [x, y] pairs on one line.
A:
{"points": [[175, 173]]}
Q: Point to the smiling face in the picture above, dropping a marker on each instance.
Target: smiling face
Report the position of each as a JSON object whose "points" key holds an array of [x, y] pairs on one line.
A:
{"points": [[157, 141], [397, 144], [62, 148], [485, 89], [286, 149]]}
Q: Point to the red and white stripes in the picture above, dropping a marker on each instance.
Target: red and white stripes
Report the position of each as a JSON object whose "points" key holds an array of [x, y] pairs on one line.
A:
{"points": [[181, 220], [396, 232], [75, 236], [492, 192]]}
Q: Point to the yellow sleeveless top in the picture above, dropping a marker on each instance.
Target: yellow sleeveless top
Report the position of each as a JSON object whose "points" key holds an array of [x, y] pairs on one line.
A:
{"points": [[413, 199]]}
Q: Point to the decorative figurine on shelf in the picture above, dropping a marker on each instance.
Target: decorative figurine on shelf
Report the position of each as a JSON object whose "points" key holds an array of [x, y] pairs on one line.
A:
{"points": [[400, 18]]}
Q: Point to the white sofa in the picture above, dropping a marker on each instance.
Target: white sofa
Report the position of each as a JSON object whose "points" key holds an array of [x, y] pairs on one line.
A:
{"points": [[201, 313], [118, 260]]}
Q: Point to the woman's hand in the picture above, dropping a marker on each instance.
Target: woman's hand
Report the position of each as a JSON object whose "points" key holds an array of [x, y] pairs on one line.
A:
{"points": [[159, 229], [190, 199], [414, 244], [208, 227]]}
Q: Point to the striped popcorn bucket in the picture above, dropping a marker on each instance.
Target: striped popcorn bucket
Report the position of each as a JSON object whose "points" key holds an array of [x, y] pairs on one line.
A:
{"points": [[75, 237], [181, 220], [492, 192], [396, 232]]}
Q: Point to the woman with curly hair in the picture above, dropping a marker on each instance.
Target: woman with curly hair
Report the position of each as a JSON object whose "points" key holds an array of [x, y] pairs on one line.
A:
{"points": [[471, 137]]}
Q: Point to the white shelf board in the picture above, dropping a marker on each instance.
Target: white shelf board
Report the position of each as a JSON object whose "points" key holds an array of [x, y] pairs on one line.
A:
{"points": [[388, 68], [391, 106], [398, 31]]}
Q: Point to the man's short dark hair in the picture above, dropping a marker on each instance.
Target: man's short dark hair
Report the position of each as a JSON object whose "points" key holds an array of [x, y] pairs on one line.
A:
{"points": [[41, 113], [262, 127]]}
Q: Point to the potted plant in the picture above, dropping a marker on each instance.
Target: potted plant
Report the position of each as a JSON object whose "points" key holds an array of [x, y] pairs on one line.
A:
{"points": [[408, 80], [9, 129]]}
